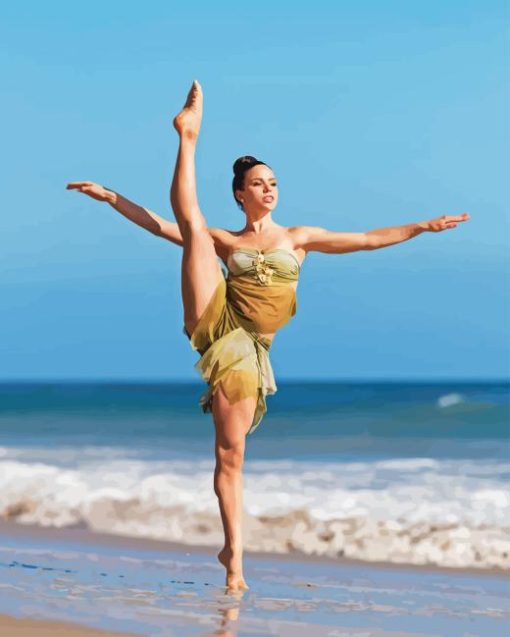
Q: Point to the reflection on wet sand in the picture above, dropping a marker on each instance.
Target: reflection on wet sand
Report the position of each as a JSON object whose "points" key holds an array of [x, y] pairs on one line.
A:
{"points": [[119, 585]]}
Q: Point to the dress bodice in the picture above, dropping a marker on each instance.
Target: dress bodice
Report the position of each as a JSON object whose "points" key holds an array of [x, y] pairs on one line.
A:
{"points": [[259, 287], [266, 266]]}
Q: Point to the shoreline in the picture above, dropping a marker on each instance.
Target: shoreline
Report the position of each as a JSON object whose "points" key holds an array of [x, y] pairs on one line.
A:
{"points": [[100, 584], [85, 536]]}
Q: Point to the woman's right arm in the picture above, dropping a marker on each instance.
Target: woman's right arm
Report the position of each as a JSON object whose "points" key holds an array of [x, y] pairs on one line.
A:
{"points": [[137, 214]]}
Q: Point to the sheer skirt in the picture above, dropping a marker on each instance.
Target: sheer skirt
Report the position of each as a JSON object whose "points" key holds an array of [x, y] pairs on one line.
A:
{"points": [[233, 354]]}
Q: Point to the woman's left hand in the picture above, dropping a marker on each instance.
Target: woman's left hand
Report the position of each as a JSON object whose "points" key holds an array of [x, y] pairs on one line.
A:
{"points": [[445, 222]]}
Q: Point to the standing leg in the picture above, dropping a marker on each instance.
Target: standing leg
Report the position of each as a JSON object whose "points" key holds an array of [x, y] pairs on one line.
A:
{"points": [[232, 423], [200, 272]]}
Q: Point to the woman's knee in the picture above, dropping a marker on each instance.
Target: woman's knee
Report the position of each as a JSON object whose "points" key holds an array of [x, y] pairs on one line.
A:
{"points": [[230, 457]]}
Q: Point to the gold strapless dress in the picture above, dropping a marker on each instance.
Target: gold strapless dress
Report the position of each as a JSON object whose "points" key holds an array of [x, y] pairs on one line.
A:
{"points": [[254, 298]]}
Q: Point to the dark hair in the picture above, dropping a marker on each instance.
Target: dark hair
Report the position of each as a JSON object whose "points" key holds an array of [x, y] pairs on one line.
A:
{"points": [[241, 167]]}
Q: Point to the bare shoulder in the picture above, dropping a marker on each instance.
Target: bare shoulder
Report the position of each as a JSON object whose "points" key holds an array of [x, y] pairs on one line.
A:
{"points": [[300, 235], [294, 238]]}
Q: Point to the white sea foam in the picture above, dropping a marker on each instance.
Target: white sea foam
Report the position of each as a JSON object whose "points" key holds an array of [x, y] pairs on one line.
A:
{"points": [[415, 510], [448, 400]]}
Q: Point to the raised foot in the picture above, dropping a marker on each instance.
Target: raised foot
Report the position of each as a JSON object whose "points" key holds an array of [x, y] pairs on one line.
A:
{"points": [[232, 561], [187, 122]]}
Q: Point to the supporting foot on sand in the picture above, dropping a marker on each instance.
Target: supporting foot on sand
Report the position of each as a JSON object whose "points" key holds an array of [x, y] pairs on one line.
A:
{"points": [[187, 122], [232, 561]]}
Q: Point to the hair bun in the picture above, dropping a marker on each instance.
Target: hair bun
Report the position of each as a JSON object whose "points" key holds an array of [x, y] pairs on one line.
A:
{"points": [[241, 166], [244, 163]]}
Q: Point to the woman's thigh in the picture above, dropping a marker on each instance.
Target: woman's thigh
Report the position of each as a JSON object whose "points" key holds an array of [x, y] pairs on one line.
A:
{"points": [[200, 275], [232, 422]]}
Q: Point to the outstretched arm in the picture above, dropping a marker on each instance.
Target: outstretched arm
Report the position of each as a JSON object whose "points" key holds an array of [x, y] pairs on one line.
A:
{"points": [[143, 217], [312, 238]]}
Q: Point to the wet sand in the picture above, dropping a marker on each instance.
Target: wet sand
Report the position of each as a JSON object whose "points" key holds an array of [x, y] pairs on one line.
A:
{"points": [[14, 627], [146, 587]]}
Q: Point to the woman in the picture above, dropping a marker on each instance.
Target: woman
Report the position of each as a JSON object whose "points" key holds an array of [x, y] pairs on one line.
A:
{"points": [[232, 322]]}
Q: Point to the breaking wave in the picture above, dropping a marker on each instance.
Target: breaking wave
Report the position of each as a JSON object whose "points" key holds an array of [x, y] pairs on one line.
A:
{"points": [[452, 513]]}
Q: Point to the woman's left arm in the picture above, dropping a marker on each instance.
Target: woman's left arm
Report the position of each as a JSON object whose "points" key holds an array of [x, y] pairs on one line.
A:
{"points": [[317, 239]]}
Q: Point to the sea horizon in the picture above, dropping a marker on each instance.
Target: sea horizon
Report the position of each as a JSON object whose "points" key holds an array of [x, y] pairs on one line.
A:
{"points": [[282, 380]]}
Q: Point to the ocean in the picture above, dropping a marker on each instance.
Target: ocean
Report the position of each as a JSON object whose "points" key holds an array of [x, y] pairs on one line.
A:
{"points": [[409, 473]]}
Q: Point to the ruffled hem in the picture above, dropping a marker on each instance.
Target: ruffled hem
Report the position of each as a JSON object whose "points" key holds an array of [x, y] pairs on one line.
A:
{"points": [[239, 361]]}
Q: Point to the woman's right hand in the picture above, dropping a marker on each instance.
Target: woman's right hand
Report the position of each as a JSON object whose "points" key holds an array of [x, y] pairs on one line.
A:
{"points": [[100, 193]]}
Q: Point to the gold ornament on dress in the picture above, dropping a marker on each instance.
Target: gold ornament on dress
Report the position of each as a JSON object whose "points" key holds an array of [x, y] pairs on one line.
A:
{"points": [[263, 272]]}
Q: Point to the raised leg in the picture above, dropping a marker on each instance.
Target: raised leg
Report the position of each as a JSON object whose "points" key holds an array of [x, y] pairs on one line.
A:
{"points": [[232, 423], [200, 271]]}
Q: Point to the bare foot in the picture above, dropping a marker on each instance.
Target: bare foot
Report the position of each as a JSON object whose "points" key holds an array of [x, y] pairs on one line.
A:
{"points": [[233, 565], [187, 122]]}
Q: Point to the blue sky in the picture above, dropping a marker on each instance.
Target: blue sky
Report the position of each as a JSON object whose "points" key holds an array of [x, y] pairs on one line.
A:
{"points": [[371, 114]]}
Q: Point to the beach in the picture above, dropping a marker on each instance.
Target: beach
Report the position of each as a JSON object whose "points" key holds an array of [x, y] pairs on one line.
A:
{"points": [[369, 510], [147, 587], [343, 166], [44, 628]]}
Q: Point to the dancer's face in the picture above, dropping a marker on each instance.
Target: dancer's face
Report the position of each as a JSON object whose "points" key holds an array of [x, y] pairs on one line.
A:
{"points": [[260, 190]]}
